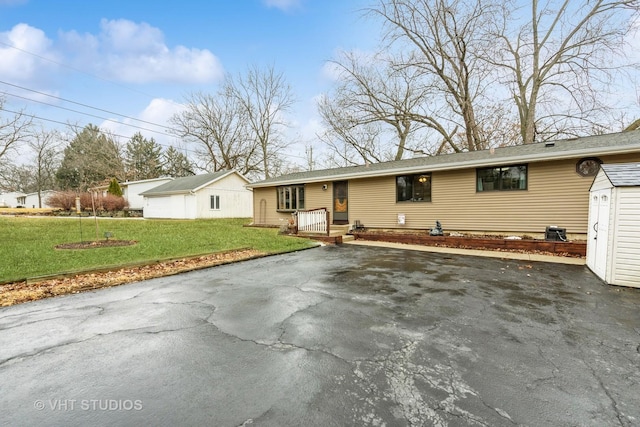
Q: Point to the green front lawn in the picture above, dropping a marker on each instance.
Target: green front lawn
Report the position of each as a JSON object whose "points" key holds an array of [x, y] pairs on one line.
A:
{"points": [[27, 245]]}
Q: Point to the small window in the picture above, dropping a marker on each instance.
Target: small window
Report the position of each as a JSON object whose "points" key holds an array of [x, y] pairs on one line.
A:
{"points": [[503, 178], [588, 166], [291, 198], [413, 188], [215, 203]]}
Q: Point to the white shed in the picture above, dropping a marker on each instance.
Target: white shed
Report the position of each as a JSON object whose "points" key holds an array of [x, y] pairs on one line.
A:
{"points": [[221, 194], [613, 245]]}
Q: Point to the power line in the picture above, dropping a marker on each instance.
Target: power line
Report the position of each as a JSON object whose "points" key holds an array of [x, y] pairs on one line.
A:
{"points": [[88, 114], [80, 104], [76, 127]]}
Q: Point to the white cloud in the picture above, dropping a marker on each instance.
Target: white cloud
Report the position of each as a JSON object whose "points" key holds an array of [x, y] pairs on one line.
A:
{"points": [[22, 53], [137, 53], [284, 5], [158, 112]]}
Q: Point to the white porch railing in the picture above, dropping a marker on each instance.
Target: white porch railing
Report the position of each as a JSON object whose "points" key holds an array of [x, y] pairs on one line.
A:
{"points": [[313, 221]]}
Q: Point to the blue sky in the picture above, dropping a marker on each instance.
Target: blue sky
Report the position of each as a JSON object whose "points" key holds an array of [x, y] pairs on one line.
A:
{"points": [[139, 58]]}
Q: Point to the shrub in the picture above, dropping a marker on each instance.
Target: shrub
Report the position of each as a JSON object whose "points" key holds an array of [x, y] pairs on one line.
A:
{"points": [[65, 200], [113, 203], [87, 204]]}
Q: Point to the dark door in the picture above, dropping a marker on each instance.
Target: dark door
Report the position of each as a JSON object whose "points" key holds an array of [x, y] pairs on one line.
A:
{"points": [[340, 202]]}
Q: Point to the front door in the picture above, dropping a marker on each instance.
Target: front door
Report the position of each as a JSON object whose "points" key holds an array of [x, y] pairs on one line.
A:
{"points": [[340, 202]]}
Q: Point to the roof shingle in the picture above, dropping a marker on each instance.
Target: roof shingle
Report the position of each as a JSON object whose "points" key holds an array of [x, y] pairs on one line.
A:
{"points": [[623, 174], [185, 184], [617, 143]]}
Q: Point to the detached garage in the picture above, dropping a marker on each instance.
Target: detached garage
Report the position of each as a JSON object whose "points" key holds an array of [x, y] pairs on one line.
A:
{"points": [[613, 245], [221, 194]]}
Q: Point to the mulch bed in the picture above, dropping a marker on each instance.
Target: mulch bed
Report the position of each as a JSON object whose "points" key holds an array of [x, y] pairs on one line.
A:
{"points": [[576, 249], [96, 244], [31, 290]]}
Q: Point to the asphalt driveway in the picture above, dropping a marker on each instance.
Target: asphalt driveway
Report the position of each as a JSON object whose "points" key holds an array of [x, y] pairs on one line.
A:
{"points": [[337, 335]]}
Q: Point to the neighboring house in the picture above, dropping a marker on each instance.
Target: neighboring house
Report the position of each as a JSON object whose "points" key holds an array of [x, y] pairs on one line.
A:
{"points": [[10, 200], [511, 190], [221, 194], [131, 190], [32, 200]]}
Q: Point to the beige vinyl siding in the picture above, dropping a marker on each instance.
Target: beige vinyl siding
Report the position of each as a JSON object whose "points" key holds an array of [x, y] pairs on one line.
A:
{"points": [[457, 205], [265, 203], [556, 195], [316, 197], [626, 237]]}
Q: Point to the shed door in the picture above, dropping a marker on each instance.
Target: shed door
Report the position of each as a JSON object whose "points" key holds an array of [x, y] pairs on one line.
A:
{"points": [[599, 215]]}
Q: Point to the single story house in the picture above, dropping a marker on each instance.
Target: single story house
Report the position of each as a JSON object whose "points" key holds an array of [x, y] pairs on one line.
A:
{"points": [[32, 200], [10, 200], [131, 190], [516, 190], [222, 194]]}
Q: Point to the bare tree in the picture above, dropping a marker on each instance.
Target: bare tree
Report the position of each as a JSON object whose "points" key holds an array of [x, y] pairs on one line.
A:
{"points": [[219, 127], [265, 96], [374, 104], [560, 62], [14, 129], [45, 146], [445, 38], [350, 141]]}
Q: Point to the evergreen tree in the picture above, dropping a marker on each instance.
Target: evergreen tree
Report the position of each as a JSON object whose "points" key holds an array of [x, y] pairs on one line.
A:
{"points": [[114, 188], [176, 164], [90, 158], [143, 158]]}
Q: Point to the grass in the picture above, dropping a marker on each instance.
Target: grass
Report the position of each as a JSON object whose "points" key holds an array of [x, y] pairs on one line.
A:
{"points": [[27, 246]]}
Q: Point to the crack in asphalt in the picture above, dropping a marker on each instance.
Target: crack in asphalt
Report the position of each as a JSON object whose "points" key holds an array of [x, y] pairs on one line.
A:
{"points": [[143, 330], [92, 337], [277, 344], [614, 403], [59, 315]]}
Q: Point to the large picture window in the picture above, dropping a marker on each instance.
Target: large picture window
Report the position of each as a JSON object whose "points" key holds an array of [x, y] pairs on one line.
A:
{"points": [[502, 178], [413, 188], [291, 198]]}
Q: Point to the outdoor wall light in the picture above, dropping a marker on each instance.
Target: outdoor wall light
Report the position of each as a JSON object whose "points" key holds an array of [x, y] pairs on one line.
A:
{"points": [[324, 187]]}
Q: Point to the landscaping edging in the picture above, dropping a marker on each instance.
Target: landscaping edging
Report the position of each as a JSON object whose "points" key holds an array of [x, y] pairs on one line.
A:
{"points": [[516, 245]]}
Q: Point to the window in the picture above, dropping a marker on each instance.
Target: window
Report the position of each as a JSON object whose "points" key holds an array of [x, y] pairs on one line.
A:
{"points": [[413, 188], [588, 166], [502, 178], [215, 203], [291, 198]]}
